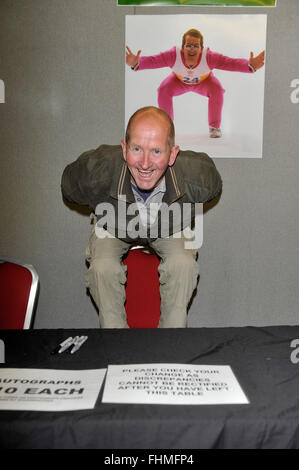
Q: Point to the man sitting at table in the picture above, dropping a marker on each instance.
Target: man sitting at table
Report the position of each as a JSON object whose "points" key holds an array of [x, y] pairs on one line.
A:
{"points": [[129, 187]]}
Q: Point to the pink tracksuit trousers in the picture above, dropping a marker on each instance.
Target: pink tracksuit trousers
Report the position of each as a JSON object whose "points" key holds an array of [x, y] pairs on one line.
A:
{"points": [[210, 87]]}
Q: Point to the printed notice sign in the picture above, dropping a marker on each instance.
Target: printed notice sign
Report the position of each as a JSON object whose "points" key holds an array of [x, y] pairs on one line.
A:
{"points": [[49, 390], [173, 384]]}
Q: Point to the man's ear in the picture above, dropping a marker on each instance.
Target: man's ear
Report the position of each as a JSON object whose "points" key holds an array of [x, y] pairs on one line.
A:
{"points": [[173, 154], [124, 148]]}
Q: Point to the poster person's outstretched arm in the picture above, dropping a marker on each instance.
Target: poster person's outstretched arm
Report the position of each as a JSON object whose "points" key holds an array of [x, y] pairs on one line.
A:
{"points": [[215, 60], [163, 59]]}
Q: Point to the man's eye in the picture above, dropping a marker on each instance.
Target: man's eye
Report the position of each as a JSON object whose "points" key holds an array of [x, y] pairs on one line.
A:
{"points": [[196, 46], [156, 151], [136, 149]]}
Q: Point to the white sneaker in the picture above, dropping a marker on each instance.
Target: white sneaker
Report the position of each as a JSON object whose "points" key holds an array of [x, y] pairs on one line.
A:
{"points": [[214, 132]]}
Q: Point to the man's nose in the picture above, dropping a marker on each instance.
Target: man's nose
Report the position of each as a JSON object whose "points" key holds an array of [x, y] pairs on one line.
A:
{"points": [[145, 162]]}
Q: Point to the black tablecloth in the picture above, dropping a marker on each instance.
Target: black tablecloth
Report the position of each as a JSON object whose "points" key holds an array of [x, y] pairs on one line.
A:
{"points": [[259, 357]]}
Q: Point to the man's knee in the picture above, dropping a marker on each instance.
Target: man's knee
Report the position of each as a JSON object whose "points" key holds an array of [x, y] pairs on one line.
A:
{"points": [[184, 261], [216, 89], [168, 87], [104, 270], [181, 264], [163, 90]]}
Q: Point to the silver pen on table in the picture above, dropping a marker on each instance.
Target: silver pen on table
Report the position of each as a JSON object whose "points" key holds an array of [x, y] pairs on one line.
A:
{"points": [[81, 340], [65, 344]]}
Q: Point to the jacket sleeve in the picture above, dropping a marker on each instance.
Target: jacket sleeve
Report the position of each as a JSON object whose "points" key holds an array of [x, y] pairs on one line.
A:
{"points": [[222, 62], [164, 59], [72, 181], [88, 177], [215, 185], [209, 179], [202, 179]]}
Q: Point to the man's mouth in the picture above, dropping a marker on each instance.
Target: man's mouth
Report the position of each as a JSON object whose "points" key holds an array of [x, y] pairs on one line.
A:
{"points": [[145, 173]]}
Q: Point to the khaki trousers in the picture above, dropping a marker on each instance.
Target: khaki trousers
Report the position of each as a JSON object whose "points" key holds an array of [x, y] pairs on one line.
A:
{"points": [[106, 279]]}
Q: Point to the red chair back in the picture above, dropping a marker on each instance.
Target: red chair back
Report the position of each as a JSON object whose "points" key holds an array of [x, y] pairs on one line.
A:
{"points": [[18, 287]]}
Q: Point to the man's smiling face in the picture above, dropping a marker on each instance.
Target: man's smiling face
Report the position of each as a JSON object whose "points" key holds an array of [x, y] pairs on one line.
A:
{"points": [[192, 49], [148, 153]]}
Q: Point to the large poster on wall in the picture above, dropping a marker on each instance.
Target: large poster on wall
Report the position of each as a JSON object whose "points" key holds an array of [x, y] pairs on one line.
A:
{"points": [[255, 3], [220, 96]]}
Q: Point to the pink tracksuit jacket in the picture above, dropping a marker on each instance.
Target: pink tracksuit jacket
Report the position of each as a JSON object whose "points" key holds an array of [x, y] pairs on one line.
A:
{"points": [[207, 85]]}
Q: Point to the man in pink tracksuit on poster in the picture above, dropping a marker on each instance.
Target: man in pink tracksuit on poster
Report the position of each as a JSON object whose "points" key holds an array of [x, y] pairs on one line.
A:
{"points": [[192, 67]]}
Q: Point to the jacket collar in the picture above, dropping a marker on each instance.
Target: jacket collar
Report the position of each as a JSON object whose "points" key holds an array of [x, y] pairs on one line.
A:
{"points": [[121, 184]]}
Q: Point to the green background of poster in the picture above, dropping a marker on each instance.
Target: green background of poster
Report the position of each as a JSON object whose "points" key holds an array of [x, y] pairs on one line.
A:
{"points": [[261, 3]]}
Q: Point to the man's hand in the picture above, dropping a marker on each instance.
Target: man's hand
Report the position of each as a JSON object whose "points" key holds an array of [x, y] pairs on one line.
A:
{"points": [[258, 61], [132, 59]]}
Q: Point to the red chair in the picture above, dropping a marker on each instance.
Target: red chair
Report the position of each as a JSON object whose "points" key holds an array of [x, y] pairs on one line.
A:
{"points": [[142, 289], [18, 291]]}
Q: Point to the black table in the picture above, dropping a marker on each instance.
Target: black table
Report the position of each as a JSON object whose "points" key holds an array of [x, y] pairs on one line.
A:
{"points": [[259, 357]]}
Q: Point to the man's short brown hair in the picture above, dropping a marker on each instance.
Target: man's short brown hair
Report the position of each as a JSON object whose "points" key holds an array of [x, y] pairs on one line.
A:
{"points": [[195, 34]]}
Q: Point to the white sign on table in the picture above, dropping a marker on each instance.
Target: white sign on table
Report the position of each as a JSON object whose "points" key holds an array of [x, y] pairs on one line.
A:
{"points": [[49, 389], [173, 384]]}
